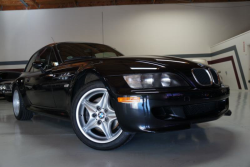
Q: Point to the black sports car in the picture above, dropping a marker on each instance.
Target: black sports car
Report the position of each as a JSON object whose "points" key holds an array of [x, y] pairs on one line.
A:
{"points": [[6, 90], [109, 97], [6, 78], [8, 75]]}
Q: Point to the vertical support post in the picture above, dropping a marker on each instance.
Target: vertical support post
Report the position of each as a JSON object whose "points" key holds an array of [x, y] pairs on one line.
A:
{"points": [[24, 3]]}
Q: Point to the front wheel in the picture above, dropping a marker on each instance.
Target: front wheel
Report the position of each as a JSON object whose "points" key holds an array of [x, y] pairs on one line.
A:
{"points": [[94, 120]]}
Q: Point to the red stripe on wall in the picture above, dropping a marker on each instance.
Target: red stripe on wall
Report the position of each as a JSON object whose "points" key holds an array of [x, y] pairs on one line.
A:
{"points": [[225, 59]]}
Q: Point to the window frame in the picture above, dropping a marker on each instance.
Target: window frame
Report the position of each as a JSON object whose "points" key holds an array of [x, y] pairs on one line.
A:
{"points": [[38, 53], [35, 54], [53, 50]]}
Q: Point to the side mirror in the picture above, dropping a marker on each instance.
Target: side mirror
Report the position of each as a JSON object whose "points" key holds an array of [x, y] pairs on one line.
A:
{"points": [[37, 65]]}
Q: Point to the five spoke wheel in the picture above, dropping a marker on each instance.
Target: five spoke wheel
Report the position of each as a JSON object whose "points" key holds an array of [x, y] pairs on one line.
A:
{"points": [[95, 117]]}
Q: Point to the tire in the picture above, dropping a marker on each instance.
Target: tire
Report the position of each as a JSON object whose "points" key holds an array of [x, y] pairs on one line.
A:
{"points": [[93, 119], [20, 112]]}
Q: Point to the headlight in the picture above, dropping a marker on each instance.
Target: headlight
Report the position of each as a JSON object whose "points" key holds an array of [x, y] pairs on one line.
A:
{"points": [[3, 87], [154, 80]]}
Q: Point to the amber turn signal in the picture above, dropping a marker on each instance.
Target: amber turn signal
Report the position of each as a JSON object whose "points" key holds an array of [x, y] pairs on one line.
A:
{"points": [[128, 99]]}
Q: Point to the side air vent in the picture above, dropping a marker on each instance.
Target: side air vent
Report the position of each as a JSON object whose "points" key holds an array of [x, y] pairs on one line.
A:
{"points": [[215, 76], [202, 76]]}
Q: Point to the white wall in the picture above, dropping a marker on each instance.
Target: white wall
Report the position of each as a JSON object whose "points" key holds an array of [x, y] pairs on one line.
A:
{"points": [[244, 57], [173, 29], [24, 32], [133, 30]]}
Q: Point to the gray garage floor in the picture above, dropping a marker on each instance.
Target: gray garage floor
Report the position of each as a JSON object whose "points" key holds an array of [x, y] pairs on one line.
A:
{"points": [[49, 142]]}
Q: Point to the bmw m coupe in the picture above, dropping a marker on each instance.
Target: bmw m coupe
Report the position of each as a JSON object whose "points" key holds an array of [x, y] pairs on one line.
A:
{"points": [[109, 97]]}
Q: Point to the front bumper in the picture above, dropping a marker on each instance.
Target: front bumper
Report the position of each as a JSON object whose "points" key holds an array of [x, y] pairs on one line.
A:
{"points": [[162, 111], [7, 93]]}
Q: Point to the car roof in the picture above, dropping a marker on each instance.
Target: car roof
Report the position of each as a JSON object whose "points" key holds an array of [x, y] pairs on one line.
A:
{"points": [[56, 43]]}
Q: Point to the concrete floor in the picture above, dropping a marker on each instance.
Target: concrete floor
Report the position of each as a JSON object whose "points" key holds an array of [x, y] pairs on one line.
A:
{"points": [[50, 142]]}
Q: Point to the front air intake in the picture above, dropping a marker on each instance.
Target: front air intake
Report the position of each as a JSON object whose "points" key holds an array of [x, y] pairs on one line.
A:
{"points": [[198, 110], [202, 76]]}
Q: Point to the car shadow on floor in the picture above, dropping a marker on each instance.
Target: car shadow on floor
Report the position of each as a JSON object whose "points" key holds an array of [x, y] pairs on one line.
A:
{"points": [[194, 146], [202, 143]]}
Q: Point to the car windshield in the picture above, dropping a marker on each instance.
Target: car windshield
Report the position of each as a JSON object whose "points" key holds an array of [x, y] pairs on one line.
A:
{"points": [[71, 51]]}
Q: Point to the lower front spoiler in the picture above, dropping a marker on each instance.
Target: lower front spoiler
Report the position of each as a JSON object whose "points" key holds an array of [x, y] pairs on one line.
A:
{"points": [[136, 118], [184, 124]]}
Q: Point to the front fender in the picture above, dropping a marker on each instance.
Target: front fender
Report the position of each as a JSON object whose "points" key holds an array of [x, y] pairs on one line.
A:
{"points": [[79, 80]]}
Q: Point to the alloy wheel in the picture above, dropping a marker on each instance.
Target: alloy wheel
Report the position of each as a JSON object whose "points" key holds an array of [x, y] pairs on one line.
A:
{"points": [[96, 118], [16, 103]]}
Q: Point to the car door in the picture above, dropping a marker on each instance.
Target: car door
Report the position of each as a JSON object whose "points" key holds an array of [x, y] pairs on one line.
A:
{"points": [[38, 82], [63, 75]]}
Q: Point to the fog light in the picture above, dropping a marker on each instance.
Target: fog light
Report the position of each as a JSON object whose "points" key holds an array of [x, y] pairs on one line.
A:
{"points": [[128, 99]]}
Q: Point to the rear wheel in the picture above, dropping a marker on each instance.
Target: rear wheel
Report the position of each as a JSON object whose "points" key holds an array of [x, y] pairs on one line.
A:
{"points": [[20, 112], [94, 120]]}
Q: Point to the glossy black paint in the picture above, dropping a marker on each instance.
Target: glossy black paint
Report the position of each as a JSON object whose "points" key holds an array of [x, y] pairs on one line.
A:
{"points": [[52, 91]]}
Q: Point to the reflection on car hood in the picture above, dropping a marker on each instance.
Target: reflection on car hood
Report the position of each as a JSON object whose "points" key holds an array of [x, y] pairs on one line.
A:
{"points": [[141, 64]]}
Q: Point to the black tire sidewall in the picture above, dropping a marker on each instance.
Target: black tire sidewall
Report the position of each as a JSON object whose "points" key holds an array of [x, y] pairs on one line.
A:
{"points": [[122, 139]]}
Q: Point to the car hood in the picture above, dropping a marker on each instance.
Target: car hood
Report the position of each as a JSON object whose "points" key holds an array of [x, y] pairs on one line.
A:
{"points": [[144, 64]]}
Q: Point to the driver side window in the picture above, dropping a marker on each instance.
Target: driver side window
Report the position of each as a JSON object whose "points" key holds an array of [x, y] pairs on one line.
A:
{"points": [[44, 58]]}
